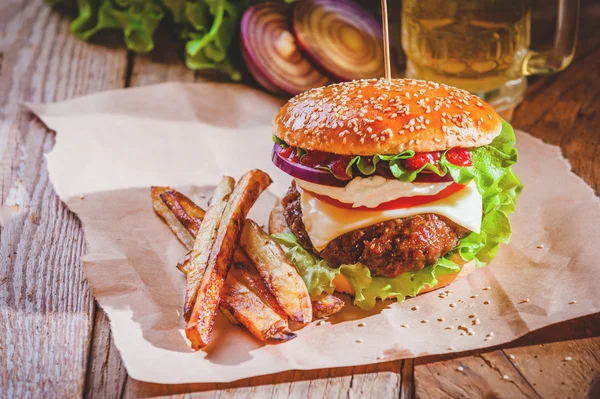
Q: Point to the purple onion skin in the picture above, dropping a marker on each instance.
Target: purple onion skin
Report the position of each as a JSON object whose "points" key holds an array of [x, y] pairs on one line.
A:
{"points": [[305, 173]]}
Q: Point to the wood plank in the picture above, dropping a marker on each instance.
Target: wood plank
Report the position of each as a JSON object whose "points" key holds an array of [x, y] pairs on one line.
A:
{"points": [[46, 308], [106, 374], [164, 64], [482, 375], [376, 381], [550, 372]]}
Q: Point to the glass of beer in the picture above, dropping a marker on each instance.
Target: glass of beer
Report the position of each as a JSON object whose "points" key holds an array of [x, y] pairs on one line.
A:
{"points": [[483, 46]]}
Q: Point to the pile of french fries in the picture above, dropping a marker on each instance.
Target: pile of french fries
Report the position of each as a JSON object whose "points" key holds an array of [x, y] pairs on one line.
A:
{"points": [[233, 265]]}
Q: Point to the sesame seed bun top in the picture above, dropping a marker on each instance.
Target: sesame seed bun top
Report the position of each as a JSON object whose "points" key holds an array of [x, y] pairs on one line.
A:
{"points": [[377, 116]]}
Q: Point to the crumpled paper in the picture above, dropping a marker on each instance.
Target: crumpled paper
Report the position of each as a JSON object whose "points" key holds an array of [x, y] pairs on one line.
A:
{"points": [[112, 146]]}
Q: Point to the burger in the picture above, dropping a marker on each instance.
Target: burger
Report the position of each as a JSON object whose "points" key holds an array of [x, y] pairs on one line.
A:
{"points": [[399, 186]]}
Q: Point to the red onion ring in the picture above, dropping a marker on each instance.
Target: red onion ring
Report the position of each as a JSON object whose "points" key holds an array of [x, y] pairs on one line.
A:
{"points": [[270, 51], [303, 172], [344, 39]]}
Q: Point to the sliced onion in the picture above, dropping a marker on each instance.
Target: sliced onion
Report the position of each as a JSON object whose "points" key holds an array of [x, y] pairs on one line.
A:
{"points": [[343, 38], [303, 172], [270, 51]]}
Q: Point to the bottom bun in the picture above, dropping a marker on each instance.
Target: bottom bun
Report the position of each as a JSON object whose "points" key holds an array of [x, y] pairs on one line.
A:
{"points": [[278, 224]]}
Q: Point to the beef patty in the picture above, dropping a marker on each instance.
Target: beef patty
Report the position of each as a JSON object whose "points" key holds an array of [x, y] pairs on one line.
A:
{"points": [[387, 248]]}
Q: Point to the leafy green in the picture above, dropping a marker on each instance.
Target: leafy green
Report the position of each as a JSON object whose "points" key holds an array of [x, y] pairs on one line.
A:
{"points": [[315, 272], [209, 28], [499, 188]]}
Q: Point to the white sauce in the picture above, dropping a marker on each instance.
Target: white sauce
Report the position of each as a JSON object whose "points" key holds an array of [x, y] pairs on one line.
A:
{"points": [[373, 191]]}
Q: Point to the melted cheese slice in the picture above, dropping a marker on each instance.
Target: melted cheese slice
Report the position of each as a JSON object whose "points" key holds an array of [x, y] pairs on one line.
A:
{"points": [[325, 222]]}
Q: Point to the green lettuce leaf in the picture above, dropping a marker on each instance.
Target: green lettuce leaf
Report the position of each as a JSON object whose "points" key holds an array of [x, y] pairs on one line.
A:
{"points": [[499, 188], [208, 29]]}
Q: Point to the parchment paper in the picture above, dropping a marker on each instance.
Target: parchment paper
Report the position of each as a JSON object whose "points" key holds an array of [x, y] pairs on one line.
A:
{"points": [[112, 146]]}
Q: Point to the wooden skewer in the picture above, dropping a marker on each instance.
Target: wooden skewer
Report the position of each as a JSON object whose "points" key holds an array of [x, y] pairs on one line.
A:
{"points": [[386, 40]]}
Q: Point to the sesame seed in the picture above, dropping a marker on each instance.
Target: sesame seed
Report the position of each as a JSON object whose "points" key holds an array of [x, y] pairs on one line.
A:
{"points": [[472, 315], [473, 296], [462, 333], [568, 359], [440, 319], [451, 348], [505, 377], [487, 288], [424, 321], [572, 302], [512, 357], [487, 302], [81, 196], [404, 325], [416, 307], [491, 334], [460, 368], [320, 322], [380, 357], [362, 324], [525, 300], [541, 246], [358, 341], [450, 328], [452, 305]]}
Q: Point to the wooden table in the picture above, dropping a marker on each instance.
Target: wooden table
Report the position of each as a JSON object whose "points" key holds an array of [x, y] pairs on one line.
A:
{"points": [[56, 342]]}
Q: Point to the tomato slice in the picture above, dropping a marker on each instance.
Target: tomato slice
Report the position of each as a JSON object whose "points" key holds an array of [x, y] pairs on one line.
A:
{"points": [[398, 203]]}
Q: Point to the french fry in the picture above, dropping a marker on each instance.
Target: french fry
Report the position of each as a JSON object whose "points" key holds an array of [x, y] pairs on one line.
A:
{"points": [[164, 212], [184, 266], [247, 274], [204, 242], [325, 305], [262, 321], [185, 210], [277, 222], [184, 263], [278, 273], [210, 289]]}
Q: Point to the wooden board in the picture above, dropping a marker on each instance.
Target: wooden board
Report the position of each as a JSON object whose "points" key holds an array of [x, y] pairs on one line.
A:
{"points": [[46, 308], [54, 341]]}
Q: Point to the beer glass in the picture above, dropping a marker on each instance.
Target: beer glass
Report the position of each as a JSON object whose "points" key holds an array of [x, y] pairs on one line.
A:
{"points": [[483, 46]]}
